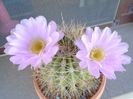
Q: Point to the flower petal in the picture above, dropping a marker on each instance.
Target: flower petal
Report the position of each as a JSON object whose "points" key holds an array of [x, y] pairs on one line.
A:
{"points": [[52, 51], [11, 50], [93, 68], [51, 27], [108, 73], [41, 20], [82, 55], [119, 68], [61, 35], [15, 60], [83, 64], [95, 36], [86, 42], [89, 32], [105, 35], [54, 40], [10, 38], [47, 59], [22, 66], [79, 44], [125, 59]]}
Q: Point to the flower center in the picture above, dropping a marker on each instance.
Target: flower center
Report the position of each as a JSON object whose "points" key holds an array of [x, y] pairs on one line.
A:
{"points": [[97, 54], [37, 46]]}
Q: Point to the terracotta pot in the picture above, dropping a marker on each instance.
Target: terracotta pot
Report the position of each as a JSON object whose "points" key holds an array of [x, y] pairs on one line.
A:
{"points": [[97, 95], [100, 90]]}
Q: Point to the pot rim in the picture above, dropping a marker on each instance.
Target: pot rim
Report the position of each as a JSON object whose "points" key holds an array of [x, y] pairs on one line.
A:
{"points": [[101, 88]]}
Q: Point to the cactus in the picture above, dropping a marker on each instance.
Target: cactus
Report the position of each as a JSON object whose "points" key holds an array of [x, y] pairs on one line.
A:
{"points": [[63, 78]]}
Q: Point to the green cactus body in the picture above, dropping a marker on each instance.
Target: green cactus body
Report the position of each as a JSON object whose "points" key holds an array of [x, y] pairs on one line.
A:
{"points": [[63, 78]]}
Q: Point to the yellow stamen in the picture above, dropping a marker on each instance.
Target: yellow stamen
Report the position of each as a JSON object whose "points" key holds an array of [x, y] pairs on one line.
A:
{"points": [[97, 54], [37, 46]]}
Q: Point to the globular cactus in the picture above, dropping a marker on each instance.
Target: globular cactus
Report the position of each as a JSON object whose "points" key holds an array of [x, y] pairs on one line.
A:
{"points": [[63, 78]]}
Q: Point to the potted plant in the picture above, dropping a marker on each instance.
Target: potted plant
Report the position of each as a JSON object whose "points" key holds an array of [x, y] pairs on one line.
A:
{"points": [[68, 61]]}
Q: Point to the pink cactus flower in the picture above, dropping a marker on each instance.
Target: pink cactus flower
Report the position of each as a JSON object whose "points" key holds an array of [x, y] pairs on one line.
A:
{"points": [[101, 51], [33, 42]]}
